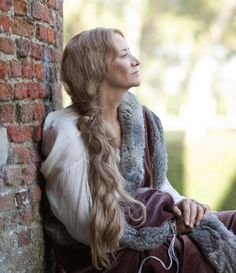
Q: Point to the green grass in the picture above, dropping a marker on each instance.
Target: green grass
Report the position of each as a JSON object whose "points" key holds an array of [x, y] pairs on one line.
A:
{"points": [[205, 170]]}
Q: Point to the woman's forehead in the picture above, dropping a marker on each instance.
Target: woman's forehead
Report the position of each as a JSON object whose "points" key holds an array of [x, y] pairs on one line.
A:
{"points": [[120, 42]]}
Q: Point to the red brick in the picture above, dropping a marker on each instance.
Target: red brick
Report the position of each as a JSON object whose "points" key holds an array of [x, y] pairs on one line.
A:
{"points": [[24, 217], [4, 23], [16, 70], [36, 90], [31, 112], [5, 5], [20, 7], [44, 93], [35, 194], [12, 175], [3, 70], [38, 70], [22, 199], [27, 70], [18, 155], [45, 34], [21, 90], [56, 55], [7, 112], [35, 211], [6, 91], [23, 47], [36, 51], [41, 12], [22, 27], [19, 134], [24, 238], [34, 154], [7, 46], [7, 202], [53, 4], [29, 174], [37, 133], [33, 90]]}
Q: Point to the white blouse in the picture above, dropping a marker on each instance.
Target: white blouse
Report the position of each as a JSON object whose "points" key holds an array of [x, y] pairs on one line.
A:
{"points": [[66, 172]]}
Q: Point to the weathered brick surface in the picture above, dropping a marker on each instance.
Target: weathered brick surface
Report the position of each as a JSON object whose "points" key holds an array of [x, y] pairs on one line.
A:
{"points": [[30, 55], [7, 91], [45, 34], [20, 7], [4, 23], [41, 11], [19, 134], [23, 47], [31, 112], [5, 5], [22, 27], [7, 46], [12, 175], [3, 72], [24, 238], [16, 69], [7, 113]]}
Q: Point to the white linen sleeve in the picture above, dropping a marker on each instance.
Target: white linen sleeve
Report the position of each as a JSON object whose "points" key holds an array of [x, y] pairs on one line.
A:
{"points": [[167, 187], [69, 199]]}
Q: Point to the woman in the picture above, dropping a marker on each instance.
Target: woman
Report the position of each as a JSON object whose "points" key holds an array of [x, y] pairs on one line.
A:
{"points": [[113, 209]]}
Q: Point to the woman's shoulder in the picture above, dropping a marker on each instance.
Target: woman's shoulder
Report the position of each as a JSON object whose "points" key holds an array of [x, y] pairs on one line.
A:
{"points": [[60, 118], [60, 127]]}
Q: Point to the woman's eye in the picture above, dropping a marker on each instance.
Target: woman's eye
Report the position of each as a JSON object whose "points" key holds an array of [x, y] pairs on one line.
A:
{"points": [[123, 55]]}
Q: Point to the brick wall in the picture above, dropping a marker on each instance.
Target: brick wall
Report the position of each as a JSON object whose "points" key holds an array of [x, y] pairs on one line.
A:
{"points": [[30, 52]]}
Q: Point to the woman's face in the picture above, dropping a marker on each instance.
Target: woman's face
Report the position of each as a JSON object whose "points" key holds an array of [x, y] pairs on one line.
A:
{"points": [[124, 71]]}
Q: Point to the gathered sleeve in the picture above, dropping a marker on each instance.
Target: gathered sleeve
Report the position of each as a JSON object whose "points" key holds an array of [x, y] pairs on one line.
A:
{"points": [[66, 174], [167, 187]]}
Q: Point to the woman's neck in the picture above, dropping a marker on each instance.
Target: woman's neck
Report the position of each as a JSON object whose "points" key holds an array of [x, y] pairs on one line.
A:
{"points": [[109, 103]]}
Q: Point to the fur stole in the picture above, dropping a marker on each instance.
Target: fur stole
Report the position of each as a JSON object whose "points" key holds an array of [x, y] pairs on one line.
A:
{"points": [[216, 242]]}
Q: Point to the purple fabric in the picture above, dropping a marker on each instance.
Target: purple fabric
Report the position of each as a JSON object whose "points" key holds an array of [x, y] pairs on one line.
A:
{"points": [[76, 259]]}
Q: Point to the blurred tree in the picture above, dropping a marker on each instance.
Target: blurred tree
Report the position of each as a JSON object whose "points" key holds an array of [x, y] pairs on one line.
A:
{"points": [[188, 58]]}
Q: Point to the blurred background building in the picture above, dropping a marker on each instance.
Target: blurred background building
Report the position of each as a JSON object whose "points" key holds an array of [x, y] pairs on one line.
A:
{"points": [[187, 50]]}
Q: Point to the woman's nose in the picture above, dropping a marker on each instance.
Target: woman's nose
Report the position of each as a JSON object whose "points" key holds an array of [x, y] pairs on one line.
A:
{"points": [[135, 61]]}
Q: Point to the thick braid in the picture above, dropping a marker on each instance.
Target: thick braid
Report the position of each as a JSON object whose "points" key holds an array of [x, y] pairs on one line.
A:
{"points": [[106, 216], [85, 63]]}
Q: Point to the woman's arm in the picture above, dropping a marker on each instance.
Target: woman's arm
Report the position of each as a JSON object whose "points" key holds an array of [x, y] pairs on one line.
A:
{"points": [[69, 199], [167, 187]]}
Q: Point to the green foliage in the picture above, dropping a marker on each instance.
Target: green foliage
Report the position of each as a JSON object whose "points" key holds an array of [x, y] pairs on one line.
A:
{"points": [[176, 168]]}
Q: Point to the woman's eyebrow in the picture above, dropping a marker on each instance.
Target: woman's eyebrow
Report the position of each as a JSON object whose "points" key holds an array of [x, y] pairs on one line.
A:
{"points": [[125, 50]]}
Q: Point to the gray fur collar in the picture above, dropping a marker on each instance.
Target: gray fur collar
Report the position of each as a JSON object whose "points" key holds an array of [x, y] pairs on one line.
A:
{"points": [[133, 142], [131, 115]]}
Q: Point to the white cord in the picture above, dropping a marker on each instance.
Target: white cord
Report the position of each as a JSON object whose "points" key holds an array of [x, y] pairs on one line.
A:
{"points": [[171, 254]]}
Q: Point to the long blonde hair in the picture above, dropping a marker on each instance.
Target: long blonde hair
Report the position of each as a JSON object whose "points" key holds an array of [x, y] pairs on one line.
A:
{"points": [[85, 63]]}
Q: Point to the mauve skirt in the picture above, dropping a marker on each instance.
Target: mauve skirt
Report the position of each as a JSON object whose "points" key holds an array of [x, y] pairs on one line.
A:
{"points": [[76, 258]]}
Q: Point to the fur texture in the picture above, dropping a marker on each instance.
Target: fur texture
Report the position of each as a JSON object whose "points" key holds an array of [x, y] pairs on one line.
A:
{"points": [[216, 242], [147, 237]]}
